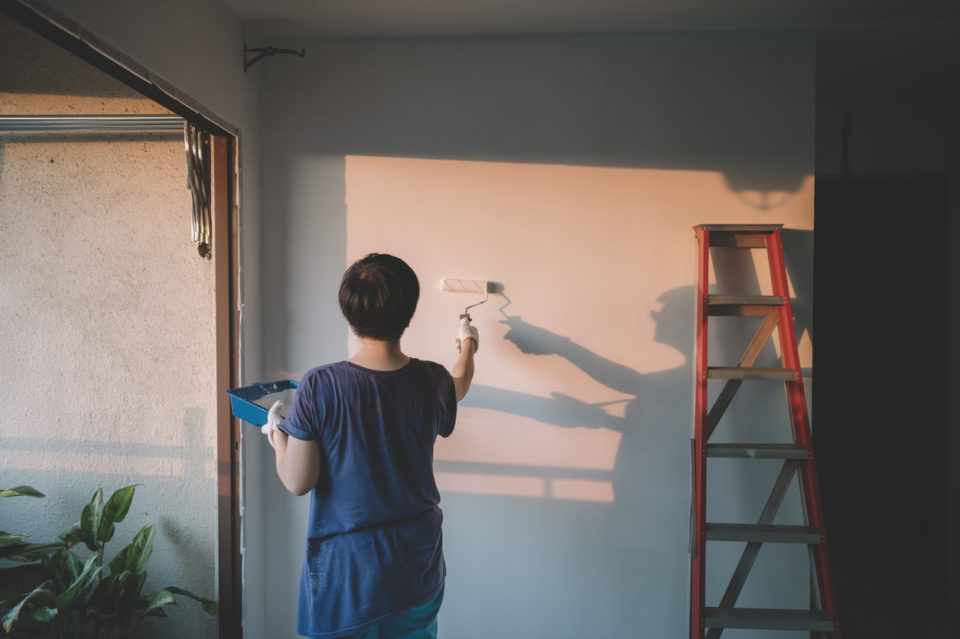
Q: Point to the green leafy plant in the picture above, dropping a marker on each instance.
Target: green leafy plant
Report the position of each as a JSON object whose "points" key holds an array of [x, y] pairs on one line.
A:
{"points": [[55, 593]]}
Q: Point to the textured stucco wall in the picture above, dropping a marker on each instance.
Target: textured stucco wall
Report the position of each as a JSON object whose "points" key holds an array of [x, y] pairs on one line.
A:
{"points": [[196, 46], [108, 348], [571, 169]]}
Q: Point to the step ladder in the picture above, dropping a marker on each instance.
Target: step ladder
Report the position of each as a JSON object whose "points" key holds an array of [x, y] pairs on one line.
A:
{"points": [[709, 622]]}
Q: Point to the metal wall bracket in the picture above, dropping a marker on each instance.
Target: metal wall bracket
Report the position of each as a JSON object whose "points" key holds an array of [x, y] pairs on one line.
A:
{"points": [[263, 52]]}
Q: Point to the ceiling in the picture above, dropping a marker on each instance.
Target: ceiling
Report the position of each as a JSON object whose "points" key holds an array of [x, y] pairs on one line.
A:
{"points": [[401, 18]]}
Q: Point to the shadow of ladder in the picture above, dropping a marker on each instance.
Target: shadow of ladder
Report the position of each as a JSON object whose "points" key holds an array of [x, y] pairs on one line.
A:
{"points": [[709, 622]]}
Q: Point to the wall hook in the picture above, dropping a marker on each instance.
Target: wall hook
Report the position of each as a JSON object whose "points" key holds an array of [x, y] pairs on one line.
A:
{"points": [[263, 52]]}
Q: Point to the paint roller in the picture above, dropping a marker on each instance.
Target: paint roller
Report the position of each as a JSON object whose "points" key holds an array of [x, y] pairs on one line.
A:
{"points": [[476, 287]]}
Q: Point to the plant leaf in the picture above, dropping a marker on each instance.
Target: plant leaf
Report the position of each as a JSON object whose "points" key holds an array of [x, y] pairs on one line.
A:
{"points": [[114, 511], [90, 520], [209, 606], [73, 567], [124, 580], [82, 585], [29, 552], [105, 599], [132, 601], [159, 599], [21, 491], [12, 549], [73, 536], [11, 617], [146, 550], [119, 563], [134, 555], [106, 618], [122, 583], [44, 614], [56, 567], [7, 539], [138, 584]]}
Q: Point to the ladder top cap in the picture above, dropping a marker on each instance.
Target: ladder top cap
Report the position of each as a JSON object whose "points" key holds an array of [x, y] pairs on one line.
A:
{"points": [[740, 228]]}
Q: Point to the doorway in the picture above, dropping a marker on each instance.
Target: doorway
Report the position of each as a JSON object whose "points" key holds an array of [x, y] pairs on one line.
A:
{"points": [[120, 336]]}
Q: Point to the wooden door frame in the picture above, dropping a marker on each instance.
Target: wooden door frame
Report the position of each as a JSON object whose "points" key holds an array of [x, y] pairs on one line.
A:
{"points": [[225, 240], [224, 247]]}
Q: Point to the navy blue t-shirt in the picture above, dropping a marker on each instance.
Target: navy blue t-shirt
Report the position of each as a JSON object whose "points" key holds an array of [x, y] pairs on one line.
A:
{"points": [[374, 547]]}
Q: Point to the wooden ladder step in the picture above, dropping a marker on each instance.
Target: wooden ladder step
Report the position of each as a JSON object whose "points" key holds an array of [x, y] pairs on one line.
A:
{"points": [[740, 235], [755, 300], [758, 451], [763, 533], [743, 304], [741, 228], [743, 372], [769, 619]]}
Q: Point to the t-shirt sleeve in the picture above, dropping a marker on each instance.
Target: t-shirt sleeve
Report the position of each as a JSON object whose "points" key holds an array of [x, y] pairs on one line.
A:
{"points": [[302, 422], [447, 398]]}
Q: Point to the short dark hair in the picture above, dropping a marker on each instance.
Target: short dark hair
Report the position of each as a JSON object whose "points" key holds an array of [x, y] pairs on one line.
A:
{"points": [[378, 295]]}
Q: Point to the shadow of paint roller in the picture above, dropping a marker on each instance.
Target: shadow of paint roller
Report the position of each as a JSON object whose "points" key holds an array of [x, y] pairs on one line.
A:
{"points": [[476, 287]]}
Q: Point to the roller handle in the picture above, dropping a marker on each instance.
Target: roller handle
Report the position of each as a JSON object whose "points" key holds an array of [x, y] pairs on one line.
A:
{"points": [[465, 316]]}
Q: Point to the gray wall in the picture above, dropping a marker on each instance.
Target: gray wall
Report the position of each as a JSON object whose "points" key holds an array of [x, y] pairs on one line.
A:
{"points": [[571, 169], [899, 94]]}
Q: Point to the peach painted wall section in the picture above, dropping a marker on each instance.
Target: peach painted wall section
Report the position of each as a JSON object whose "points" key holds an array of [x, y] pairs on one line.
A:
{"points": [[585, 254]]}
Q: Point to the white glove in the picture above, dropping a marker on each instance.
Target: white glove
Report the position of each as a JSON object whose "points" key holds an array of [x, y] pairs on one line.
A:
{"points": [[273, 420], [468, 330]]}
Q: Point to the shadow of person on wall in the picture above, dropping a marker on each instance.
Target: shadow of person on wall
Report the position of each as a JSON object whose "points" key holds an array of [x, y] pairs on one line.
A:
{"points": [[633, 567]]}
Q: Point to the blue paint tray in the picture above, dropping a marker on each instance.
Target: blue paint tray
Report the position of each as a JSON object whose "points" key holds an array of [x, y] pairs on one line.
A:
{"points": [[252, 403]]}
